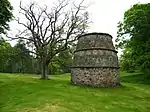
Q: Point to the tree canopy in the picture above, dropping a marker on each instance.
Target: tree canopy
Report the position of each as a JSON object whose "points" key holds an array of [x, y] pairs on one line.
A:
{"points": [[134, 37], [5, 15]]}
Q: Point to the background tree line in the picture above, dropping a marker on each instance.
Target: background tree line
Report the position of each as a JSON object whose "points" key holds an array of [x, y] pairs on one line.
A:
{"points": [[18, 59]]}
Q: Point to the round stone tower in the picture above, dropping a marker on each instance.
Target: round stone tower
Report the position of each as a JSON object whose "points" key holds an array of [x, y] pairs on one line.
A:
{"points": [[95, 61]]}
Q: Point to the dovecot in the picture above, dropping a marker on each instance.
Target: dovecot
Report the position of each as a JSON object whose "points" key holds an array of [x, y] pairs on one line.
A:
{"points": [[95, 61]]}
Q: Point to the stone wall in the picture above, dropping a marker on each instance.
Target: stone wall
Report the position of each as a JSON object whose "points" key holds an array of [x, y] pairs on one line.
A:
{"points": [[95, 61], [97, 77]]}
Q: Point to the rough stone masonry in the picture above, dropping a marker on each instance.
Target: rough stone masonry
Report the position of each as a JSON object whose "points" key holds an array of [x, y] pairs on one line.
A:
{"points": [[95, 61]]}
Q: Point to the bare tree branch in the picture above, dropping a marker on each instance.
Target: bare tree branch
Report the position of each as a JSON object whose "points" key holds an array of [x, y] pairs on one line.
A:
{"points": [[51, 31]]}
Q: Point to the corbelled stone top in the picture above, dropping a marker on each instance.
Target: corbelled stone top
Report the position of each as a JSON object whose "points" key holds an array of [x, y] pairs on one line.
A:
{"points": [[95, 40], [94, 33]]}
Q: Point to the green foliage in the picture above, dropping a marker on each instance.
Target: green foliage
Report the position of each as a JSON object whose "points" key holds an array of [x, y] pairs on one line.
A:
{"points": [[133, 37], [15, 59], [22, 57], [5, 15], [21, 93], [126, 61], [5, 55], [18, 59], [62, 62], [65, 61]]}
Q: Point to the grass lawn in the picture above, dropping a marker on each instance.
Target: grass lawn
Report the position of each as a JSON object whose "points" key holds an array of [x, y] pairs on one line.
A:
{"points": [[20, 93]]}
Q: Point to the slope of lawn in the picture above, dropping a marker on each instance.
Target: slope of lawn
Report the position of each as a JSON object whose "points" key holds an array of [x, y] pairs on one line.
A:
{"points": [[24, 93]]}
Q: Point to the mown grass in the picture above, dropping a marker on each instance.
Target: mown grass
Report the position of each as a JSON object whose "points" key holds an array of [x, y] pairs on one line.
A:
{"points": [[19, 93]]}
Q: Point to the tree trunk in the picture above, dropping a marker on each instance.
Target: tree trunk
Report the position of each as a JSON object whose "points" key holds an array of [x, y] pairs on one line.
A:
{"points": [[44, 68]]}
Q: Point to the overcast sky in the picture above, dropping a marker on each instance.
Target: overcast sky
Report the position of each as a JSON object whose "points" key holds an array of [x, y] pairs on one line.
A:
{"points": [[105, 14]]}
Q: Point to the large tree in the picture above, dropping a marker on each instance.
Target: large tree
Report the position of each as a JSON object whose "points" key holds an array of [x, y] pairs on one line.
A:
{"points": [[51, 30], [5, 15], [134, 36]]}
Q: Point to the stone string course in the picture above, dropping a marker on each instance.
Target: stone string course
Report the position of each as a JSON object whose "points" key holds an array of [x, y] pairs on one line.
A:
{"points": [[95, 58]]}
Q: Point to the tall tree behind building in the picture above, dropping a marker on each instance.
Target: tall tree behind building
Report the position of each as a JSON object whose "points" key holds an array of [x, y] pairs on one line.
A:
{"points": [[134, 38]]}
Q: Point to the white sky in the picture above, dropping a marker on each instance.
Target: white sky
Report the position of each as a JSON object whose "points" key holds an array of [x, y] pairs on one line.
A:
{"points": [[105, 14]]}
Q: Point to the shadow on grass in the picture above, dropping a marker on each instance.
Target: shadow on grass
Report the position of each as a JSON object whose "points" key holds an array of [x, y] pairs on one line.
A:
{"points": [[138, 78]]}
